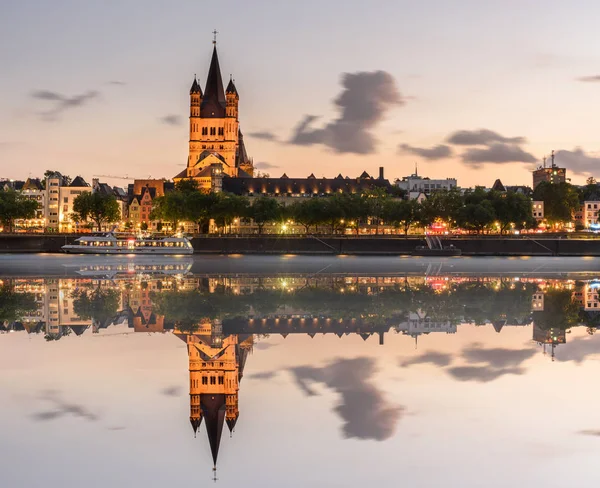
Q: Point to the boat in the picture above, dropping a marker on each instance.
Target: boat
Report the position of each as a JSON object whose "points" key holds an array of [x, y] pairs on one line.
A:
{"points": [[112, 243]]}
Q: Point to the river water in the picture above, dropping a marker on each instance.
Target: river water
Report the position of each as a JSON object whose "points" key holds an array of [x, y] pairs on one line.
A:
{"points": [[298, 371]]}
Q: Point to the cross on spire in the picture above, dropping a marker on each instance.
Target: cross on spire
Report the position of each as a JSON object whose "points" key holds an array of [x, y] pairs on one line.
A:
{"points": [[215, 32]]}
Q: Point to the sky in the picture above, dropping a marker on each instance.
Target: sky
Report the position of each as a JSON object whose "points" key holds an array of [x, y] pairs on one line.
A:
{"points": [[467, 89]]}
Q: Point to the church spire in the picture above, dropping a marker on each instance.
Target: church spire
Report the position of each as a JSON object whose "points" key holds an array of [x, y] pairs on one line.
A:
{"points": [[213, 410], [195, 87], [213, 103]]}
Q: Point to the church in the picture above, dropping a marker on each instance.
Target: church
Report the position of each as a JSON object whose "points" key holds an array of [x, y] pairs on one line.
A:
{"points": [[216, 144]]}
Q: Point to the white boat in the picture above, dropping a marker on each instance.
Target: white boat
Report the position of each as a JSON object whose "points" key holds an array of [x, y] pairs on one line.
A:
{"points": [[112, 243]]}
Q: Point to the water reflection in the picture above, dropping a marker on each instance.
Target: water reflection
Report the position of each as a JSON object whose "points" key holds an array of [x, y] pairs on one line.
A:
{"points": [[220, 319]]}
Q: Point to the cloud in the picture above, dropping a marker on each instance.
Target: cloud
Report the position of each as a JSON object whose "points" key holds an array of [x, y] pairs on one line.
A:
{"points": [[265, 345], [578, 350], [171, 391], [591, 432], [265, 375], [487, 364], [578, 161], [171, 119], [498, 153], [264, 135], [481, 374], [437, 152], [62, 103], [265, 165], [61, 408], [116, 82], [481, 137], [363, 103], [589, 79], [431, 357], [363, 408]]}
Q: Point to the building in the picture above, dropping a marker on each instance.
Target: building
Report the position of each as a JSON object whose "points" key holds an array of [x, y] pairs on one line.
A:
{"points": [[140, 195], [589, 211], [537, 210], [33, 189], [216, 140], [552, 174], [522, 189], [415, 184], [118, 193], [60, 195]]}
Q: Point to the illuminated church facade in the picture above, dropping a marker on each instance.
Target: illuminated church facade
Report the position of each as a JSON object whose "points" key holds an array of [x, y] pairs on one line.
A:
{"points": [[216, 144]]}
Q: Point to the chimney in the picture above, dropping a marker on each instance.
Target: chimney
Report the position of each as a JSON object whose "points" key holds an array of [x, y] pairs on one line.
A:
{"points": [[381, 172], [95, 184]]}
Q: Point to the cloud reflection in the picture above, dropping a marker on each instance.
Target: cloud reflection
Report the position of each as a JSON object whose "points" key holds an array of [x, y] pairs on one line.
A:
{"points": [[61, 408], [363, 408]]}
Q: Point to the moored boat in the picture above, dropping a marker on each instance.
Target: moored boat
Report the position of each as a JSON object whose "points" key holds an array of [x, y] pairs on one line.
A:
{"points": [[111, 243]]}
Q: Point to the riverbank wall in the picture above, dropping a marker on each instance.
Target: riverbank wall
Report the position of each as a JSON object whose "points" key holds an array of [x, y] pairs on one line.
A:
{"points": [[335, 245]]}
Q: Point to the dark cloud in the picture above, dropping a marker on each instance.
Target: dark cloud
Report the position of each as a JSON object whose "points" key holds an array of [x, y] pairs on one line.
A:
{"points": [[498, 153], [171, 391], [589, 79], [590, 432], [497, 357], [488, 364], [116, 82], [171, 119], [116, 428], [481, 374], [265, 375], [437, 152], [578, 161], [578, 350], [481, 137], [265, 135], [363, 103], [62, 103], [363, 408], [61, 408], [430, 357], [265, 165]]}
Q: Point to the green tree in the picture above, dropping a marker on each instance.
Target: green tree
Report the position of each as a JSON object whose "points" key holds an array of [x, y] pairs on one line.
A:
{"points": [[309, 213], [476, 216], [98, 304], [402, 213], [376, 199], [356, 209], [511, 208], [229, 207], [264, 210], [443, 205], [561, 200], [97, 207], [15, 206], [13, 306], [561, 311], [333, 212]]}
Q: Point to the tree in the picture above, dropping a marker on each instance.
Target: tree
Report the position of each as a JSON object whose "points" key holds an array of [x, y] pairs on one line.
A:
{"points": [[264, 210], [227, 208], [476, 216], [376, 199], [13, 306], [200, 207], [66, 180], [356, 209], [308, 213], [98, 304], [402, 213], [511, 208], [560, 201], [443, 205], [97, 207], [333, 211], [15, 206]]}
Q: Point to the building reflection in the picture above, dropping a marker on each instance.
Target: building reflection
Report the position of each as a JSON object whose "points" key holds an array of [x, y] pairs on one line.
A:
{"points": [[219, 317]]}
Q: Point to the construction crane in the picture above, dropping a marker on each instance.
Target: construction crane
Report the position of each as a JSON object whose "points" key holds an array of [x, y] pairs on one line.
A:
{"points": [[126, 177]]}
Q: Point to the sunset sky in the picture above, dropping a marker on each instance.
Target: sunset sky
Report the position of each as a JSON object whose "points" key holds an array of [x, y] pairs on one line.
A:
{"points": [[467, 89]]}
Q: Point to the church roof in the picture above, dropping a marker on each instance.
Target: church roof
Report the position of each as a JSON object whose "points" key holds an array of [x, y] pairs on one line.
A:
{"points": [[241, 156], [231, 423], [213, 103], [243, 174], [79, 329], [231, 88], [183, 174], [196, 423], [195, 87], [213, 410], [364, 175]]}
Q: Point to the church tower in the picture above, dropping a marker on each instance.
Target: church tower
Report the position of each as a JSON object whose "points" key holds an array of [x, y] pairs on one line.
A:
{"points": [[216, 145]]}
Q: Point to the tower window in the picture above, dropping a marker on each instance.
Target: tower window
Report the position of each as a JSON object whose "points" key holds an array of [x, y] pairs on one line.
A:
{"points": [[213, 380], [213, 131], [220, 380], [204, 380], [221, 146], [220, 131], [204, 131]]}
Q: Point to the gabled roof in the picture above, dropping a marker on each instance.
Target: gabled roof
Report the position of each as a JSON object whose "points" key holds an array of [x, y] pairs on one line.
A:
{"points": [[339, 177], [78, 182], [498, 186], [284, 176], [593, 197], [312, 176], [243, 174], [213, 103], [33, 184], [206, 153], [364, 175], [79, 329]]}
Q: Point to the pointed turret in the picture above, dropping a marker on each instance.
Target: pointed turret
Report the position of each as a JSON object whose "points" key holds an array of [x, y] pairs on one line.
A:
{"points": [[231, 423], [231, 88], [195, 89], [213, 103], [196, 422]]}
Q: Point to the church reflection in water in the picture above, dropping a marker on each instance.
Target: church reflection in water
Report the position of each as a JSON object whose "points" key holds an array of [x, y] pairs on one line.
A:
{"points": [[220, 317]]}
